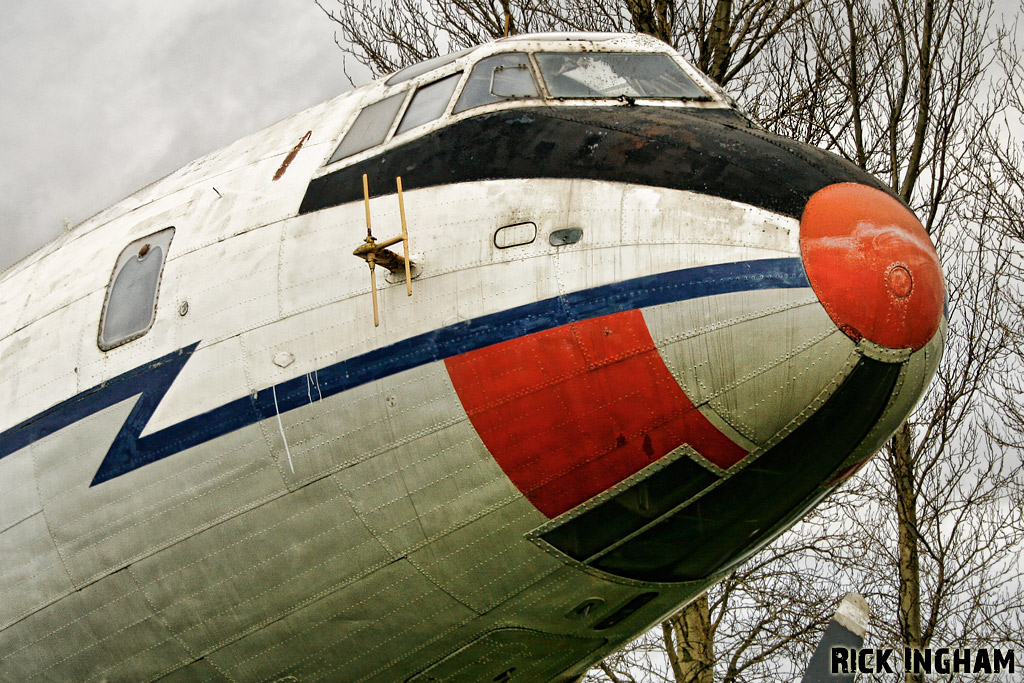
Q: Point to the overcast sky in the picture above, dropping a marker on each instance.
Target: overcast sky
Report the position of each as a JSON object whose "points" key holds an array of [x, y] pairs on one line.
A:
{"points": [[101, 98]]}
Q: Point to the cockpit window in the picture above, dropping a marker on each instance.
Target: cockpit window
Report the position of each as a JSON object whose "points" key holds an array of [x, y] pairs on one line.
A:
{"points": [[615, 74], [370, 127], [423, 67], [500, 77], [510, 76], [429, 103]]}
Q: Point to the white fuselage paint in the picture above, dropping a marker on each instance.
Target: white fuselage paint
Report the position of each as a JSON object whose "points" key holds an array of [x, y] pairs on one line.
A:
{"points": [[369, 533]]}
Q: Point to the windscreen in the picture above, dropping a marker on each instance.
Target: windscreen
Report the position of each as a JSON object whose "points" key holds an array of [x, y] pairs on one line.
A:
{"points": [[505, 76], [616, 74]]}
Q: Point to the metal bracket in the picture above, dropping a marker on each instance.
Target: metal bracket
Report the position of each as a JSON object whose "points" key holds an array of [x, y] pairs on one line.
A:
{"points": [[374, 252]]}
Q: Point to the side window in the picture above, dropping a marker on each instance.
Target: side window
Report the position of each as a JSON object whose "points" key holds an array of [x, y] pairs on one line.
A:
{"points": [[429, 103], [370, 127], [500, 77], [130, 306]]}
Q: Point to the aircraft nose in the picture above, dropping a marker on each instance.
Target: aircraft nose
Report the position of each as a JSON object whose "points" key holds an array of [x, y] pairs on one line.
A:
{"points": [[872, 266]]}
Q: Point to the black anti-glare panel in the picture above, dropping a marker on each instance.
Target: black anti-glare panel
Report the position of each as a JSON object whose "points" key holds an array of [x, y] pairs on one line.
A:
{"points": [[708, 151], [741, 514]]}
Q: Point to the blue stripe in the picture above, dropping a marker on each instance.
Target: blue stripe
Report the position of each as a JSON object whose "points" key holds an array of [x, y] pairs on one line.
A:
{"points": [[129, 452]]}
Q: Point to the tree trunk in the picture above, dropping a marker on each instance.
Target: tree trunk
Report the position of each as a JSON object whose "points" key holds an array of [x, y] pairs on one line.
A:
{"points": [[720, 48], [902, 466], [654, 18], [689, 643]]}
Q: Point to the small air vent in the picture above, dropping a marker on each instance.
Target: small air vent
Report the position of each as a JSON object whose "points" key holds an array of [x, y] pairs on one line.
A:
{"points": [[625, 611], [565, 236], [508, 655]]}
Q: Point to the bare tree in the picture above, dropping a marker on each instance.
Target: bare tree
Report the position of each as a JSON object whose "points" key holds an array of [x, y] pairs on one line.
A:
{"points": [[920, 112], [723, 36], [921, 93], [386, 35], [914, 93]]}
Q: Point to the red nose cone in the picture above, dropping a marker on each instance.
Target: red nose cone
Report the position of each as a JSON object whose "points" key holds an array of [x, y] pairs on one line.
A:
{"points": [[872, 266]]}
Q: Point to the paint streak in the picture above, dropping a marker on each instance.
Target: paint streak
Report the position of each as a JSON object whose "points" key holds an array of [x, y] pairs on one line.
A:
{"points": [[571, 411], [291, 155]]}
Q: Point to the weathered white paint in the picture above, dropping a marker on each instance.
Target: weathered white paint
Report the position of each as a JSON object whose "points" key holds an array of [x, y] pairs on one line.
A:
{"points": [[397, 538]]}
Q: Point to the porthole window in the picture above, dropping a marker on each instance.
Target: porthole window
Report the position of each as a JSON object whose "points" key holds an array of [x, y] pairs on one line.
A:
{"points": [[130, 305]]}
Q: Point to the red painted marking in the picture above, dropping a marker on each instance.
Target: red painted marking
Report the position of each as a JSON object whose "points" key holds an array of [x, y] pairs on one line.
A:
{"points": [[572, 411], [872, 266]]}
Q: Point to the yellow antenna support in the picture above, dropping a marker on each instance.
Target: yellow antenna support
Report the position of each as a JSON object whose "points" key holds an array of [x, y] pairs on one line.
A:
{"points": [[370, 249], [366, 203], [405, 239], [373, 252], [373, 287]]}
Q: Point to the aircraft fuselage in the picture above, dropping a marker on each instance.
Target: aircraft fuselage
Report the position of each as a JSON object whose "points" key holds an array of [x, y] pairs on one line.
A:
{"points": [[644, 338]]}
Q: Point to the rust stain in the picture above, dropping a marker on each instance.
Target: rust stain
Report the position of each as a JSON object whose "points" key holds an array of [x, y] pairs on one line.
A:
{"points": [[648, 447], [291, 156]]}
